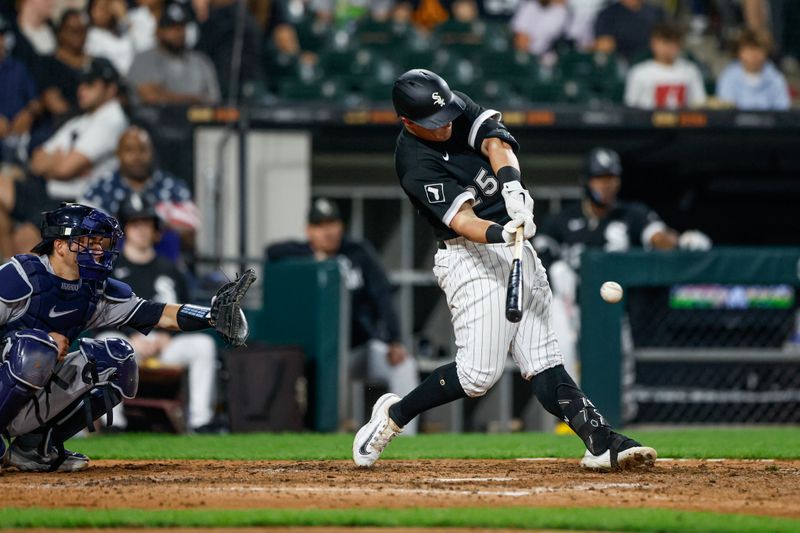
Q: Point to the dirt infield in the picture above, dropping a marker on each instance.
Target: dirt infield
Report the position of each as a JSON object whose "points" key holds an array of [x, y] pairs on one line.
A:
{"points": [[750, 487]]}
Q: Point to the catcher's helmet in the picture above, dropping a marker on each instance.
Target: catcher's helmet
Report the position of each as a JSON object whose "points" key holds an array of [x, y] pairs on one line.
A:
{"points": [[599, 162], [424, 98], [71, 221]]}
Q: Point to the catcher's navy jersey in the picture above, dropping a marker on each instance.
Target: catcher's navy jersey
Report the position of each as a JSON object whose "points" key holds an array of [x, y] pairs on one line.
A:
{"points": [[32, 296], [439, 177], [565, 235]]}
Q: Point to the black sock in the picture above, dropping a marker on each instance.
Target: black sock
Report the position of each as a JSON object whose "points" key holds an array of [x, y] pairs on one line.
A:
{"points": [[561, 397], [439, 388]]}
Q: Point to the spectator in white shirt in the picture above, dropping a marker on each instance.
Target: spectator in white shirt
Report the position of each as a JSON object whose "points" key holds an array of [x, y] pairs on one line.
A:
{"points": [[581, 26], [61, 169], [84, 146], [108, 36], [143, 21], [34, 23], [537, 24], [667, 81]]}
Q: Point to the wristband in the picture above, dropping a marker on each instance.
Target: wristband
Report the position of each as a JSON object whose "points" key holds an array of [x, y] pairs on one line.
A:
{"points": [[193, 317], [509, 173], [494, 234]]}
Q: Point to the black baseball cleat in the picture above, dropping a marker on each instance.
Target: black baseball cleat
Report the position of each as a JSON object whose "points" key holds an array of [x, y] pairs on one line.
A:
{"points": [[623, 453], [31, 460]]}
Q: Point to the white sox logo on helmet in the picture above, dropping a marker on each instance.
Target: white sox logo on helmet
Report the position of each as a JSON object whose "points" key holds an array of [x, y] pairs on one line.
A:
{"points": [[438, 100]]}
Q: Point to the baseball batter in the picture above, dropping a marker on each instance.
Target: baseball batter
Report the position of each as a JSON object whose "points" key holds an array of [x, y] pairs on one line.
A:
{"points": [[457, 163]]}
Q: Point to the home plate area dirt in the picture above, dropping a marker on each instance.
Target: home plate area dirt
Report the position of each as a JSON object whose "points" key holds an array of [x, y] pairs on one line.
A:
{"points": [[750, 487]]}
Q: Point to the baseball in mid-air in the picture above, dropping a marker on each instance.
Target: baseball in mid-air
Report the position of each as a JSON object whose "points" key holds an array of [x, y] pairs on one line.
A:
{"points": [[611, 291]]}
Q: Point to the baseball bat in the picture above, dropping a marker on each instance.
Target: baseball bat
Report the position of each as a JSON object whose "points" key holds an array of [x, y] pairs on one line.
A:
{"points": [[514, 291]]}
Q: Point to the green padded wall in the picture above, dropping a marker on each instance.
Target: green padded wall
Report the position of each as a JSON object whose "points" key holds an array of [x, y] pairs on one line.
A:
{"points": [[301, 306]]}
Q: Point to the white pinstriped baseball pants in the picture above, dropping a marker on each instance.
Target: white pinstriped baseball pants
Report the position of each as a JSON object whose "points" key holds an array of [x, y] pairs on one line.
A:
{"points": [[474, 277]]}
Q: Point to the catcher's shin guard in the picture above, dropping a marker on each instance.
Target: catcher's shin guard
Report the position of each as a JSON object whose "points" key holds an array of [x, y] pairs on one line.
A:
{"points": [[561, 397]]}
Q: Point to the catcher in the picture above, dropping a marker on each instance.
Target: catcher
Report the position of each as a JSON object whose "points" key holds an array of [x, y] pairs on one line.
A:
{"points": [[47, 298]]}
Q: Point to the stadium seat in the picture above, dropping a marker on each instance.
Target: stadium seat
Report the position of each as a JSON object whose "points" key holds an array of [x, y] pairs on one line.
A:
{"points": [[420, 53], [578, 65], [454, 32], [355, 68], [313, 35], [575, 91], [298, 89], [459, 71], [507, 65], [540, 91], [279, 67], [488, 92], [377, 91], [384, 37]]}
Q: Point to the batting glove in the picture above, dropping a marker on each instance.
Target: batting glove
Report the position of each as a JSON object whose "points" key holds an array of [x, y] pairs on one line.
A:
{"points": [[694, 240], [528, 228], [518, 200]]}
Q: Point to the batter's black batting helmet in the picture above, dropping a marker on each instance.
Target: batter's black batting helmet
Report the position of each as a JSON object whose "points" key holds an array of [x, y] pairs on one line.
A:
{"points": [[424, 98]]}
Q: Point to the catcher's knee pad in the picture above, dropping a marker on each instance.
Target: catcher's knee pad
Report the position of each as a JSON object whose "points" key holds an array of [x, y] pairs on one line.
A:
{"points": [[29, 357], [560, 396], [114, 364]]}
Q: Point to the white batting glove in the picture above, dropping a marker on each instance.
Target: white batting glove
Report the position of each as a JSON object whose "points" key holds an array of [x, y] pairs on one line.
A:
{"points": [[694, 240], [518, 200], [528, 228]]}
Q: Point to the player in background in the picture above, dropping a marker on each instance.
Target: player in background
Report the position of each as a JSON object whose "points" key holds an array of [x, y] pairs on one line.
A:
{"points": [[457, 163], [156, 278], [47, 299], [600, 220], [377, 352]]}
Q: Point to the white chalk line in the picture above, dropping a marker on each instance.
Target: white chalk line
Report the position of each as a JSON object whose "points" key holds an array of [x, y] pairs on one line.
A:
{"points": [[665, 459], [366, 491], [428, 492], [468, 479]]}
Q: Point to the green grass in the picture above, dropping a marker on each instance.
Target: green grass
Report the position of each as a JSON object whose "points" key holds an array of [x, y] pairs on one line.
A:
{"points": [[745, 443], [602, 519]]}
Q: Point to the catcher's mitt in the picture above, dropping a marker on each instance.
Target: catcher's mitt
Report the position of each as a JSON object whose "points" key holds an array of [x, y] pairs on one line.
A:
{"points": [[226, 310]]}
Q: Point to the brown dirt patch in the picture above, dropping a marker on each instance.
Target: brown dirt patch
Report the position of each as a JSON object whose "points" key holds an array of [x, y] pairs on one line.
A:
{"points": [[751, 487]]}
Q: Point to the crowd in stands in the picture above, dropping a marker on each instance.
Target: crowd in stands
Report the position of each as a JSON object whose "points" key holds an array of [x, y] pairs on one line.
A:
{"points": [[72, 71]]}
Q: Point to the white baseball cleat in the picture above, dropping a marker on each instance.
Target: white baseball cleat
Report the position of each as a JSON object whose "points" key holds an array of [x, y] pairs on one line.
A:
{"points": [[376, 434], [622, 454]]}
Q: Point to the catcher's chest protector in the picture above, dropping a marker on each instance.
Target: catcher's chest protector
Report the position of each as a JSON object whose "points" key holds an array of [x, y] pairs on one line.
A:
{"points": [[55, 304]]}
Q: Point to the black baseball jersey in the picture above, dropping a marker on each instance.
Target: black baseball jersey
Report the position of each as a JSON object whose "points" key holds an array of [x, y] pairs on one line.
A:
{"points": [[371, 306], [439, 177], [565, 235], [158, 280]]}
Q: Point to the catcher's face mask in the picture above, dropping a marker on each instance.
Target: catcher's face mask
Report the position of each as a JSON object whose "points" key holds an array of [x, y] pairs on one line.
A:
{"points": [[97, 245]]}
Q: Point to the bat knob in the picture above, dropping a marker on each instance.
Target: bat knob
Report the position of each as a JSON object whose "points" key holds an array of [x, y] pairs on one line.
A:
{"points": [[513, 315]]}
